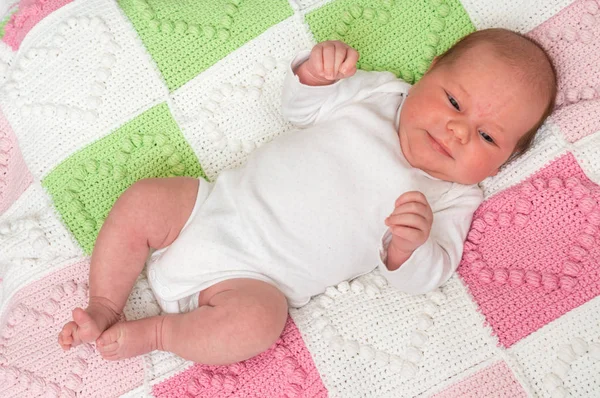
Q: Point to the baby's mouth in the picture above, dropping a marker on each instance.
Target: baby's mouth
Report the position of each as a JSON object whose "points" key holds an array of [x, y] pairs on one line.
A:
{"points": [[439, 147]]}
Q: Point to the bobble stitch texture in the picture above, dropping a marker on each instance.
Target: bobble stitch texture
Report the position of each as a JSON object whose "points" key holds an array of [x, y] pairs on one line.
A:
{"points": [[517, 264], [567, 354], [108, 60]]}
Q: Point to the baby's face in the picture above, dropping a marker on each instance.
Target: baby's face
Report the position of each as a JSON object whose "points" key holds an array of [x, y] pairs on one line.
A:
{"points": [[462, 120]]}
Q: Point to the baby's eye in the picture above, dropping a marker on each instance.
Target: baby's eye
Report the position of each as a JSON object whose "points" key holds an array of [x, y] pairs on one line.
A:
{"points": [[453, 102], [486, 137]]}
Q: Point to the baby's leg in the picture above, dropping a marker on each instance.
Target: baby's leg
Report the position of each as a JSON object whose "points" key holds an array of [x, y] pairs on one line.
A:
{"points": [[237, 319], [149, 214]]}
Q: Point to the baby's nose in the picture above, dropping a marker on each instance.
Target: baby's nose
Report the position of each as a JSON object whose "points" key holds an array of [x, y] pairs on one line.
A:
{"points": [[460, 130]]}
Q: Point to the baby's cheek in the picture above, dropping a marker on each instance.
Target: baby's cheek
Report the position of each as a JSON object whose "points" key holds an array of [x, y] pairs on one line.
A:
{"points": [[479, 166]]}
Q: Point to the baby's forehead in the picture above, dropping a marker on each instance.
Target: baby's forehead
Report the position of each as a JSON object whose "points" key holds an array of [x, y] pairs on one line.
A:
{"points": [[483, 61], [521, 58]]}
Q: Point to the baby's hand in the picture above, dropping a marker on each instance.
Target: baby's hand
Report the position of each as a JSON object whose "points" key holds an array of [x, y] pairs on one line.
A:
{"points": [[410, 222], [329, 61]]}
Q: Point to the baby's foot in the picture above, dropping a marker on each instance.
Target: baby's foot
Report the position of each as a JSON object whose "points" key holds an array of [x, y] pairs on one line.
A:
{"points": [[129, 339], [87, 325]]}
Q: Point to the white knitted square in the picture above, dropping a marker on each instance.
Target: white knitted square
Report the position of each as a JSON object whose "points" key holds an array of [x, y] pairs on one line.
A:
{"points": [[81, 72], [549, 144], [586, 152], [141, 391], [368, 339], [141, 302], [521, 16], [234, 106], [161, 365], [562, 359], [33, 241], [6, 57]]}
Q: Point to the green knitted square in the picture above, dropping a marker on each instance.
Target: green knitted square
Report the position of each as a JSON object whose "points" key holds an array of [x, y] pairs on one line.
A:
{"points": [[401, 36], [85, 186], [187, 37]]}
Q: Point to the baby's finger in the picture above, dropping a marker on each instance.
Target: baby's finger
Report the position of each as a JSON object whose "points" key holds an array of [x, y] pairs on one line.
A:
{"points": [[415, 221], [329, 61], [417, 208], [348, 67], [407, 233], [411, 196], [340, 55], [413, 207], [316, 61]]}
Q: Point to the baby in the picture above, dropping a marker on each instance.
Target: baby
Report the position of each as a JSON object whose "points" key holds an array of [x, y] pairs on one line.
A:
{"points": [[378, 174]]}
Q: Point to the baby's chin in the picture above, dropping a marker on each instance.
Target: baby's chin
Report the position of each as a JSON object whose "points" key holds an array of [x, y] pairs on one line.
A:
{"points": [[470, 180]]}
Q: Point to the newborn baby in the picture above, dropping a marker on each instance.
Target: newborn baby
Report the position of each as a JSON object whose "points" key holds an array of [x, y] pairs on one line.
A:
{"points": [[377, 174]]}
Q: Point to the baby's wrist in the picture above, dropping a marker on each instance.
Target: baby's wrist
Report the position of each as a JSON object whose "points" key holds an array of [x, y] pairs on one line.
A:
{"points": [[396, 257]]}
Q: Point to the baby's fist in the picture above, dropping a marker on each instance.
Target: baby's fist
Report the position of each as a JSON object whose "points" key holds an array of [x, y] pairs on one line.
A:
{"points": [[329, 61], [410, 222]]}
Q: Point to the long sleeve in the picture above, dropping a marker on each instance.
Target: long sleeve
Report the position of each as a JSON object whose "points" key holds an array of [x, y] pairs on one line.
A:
{"points": [[303, 105], [435, 261]]}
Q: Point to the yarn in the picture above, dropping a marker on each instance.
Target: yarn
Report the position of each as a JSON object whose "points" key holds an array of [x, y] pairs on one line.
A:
{"points": [[28, 14], [508, 14], [538, 279], [97, 94], [31, 362], [4, 22], [286, 369], [569, 38], [14, 175], [248, 82], [85, 186], [200, 35], [399, 36], [494, 380]]}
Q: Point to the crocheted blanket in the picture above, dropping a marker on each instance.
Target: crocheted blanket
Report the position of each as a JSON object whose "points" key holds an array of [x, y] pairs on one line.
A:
{"points": [[97, 94]]}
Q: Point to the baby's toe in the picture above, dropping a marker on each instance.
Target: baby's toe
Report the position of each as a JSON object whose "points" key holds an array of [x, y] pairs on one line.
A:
{"points": [[108, 339], [110, 356], [109, 349], [65, 340], [65, 337]]}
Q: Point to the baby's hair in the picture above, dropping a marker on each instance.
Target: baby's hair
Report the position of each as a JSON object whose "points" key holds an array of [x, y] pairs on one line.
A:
{"points": [[526, 55]]}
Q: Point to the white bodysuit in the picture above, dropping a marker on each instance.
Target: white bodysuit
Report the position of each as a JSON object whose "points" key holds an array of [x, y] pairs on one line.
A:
{"points": [[307, 210]]}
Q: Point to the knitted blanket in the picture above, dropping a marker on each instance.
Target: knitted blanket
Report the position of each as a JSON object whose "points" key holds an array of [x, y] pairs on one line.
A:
{"points": [[96, 94]]}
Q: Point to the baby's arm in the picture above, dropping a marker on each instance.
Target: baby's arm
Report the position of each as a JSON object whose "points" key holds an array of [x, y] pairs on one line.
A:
{"points": [[318, 83], [435, 260], [410, 225]]}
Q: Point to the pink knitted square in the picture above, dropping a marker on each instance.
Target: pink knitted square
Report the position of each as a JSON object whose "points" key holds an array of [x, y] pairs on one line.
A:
{"points": [[31, 361], [29, 13], [494, 381], [285, 370], [14, 174], [532, 253], [571, 38]]}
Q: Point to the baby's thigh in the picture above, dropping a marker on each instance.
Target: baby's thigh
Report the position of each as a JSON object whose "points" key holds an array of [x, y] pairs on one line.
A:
{"points": [[256, 299], [158, 207], [237, 319]]}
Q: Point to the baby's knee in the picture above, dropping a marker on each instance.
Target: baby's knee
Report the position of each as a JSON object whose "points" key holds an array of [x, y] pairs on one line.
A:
{"points": [[265, 317], [263, 328]]}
